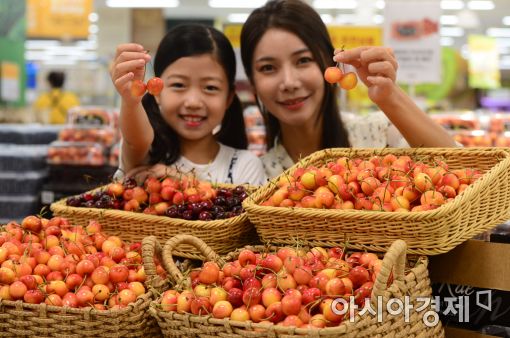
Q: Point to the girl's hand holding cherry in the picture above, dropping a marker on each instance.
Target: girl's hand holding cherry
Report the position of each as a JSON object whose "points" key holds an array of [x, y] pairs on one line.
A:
{"points": [[376, 68], [128, 72]]}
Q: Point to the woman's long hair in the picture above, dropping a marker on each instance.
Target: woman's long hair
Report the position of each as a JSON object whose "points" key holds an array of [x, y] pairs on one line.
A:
{"points": [[303, 21]]}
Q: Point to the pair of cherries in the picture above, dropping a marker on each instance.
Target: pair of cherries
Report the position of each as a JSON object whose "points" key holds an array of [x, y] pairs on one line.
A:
{"points": [[346, 81], [153, 86]]}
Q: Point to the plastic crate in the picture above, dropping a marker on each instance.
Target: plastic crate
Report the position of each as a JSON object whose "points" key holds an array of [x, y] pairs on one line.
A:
{"points": [[14, 207], [22, 183], [14, 157], [28, 133]]}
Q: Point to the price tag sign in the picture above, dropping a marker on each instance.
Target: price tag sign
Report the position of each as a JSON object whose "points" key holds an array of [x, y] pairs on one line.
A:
{"points": [[412, 30]]}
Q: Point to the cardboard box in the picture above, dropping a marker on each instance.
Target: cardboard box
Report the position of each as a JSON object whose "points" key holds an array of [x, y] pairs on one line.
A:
{"points": [[472, 286]]}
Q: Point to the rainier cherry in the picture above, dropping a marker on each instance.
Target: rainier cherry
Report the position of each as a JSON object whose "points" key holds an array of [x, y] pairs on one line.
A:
{"points": [[349, 81], [138, 88], [154, 86], [333, 74]]}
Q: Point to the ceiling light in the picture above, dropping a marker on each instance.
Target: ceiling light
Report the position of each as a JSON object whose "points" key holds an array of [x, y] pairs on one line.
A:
{"points": [[346, 19], [506, 20], [236, 3], [380, 4], [142, 3], [327, 18], [93, 17], [335, 4], [378, 19], [41, 44], [452, 4], [452, 31], [468, 19], [503, 42], [237, 17], [447, 41], [93, 29], [449, 20], [481, 5], [498, 32]]}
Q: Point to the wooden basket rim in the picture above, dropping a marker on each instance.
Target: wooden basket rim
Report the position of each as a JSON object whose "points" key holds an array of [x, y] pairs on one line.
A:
{"points": [[251, 202], [61, 207], [65, 310], [421, 261]]}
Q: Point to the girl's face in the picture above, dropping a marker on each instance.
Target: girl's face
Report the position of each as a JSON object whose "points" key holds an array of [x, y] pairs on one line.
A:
{"points": [[195, 96], [287, 79]]}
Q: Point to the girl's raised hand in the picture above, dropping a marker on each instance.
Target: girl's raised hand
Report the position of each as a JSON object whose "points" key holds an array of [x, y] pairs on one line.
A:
{"points": [[376, 67], [128, 66]]}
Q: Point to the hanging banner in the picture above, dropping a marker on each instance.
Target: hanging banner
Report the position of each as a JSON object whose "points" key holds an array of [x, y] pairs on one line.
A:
{"points": [[58, 19], [351, 37], [9, 81], [483, 62], [233, 34], [412, 30]]}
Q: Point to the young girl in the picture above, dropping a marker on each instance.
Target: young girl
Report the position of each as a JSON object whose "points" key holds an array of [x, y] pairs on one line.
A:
{"points": [[285, 48], [177, 126]]}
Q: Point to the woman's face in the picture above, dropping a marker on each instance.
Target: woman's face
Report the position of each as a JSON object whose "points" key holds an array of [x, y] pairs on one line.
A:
{"points": [[287, 79], [195, 96]]}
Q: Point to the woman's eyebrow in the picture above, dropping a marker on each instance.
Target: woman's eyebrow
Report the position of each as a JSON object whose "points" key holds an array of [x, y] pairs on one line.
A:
{"points": [[270, 58]]}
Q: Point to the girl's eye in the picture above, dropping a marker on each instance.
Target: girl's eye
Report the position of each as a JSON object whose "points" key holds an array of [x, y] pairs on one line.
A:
{"points": [[211, 88], [176, 85]]}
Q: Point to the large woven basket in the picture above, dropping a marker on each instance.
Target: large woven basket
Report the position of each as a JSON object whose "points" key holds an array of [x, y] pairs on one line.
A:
{"points": [[480, 207], [223, 235], [415, 284], [19, 319]]}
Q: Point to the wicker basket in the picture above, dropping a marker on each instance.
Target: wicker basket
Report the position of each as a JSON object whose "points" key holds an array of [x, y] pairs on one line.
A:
{"points": [[415, 284], [19, 319], [480, 207], [224, 235]]}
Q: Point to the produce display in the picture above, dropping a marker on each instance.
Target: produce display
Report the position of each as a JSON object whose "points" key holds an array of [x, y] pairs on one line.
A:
{"points": [[51, 261], [389, 183], [486, 129], [289, 287], [185, 198], [76, 153], [104, 136], [91, 116]]}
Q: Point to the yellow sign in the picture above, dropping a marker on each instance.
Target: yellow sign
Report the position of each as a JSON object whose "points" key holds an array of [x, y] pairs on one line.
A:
{"points": [[351, 37], [58, 19], [483, 62], [233, 33]]}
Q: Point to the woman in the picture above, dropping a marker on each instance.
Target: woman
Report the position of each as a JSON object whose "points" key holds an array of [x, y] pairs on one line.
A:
{"points": [[285, 49]]}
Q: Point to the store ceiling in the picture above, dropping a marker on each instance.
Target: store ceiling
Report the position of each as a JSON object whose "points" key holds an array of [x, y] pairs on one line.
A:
{"points": [[457, 23]]}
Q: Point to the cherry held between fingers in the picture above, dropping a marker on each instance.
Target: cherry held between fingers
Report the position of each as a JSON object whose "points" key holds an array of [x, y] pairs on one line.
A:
{"points": [[333, 74], [154, 86], [138, 88]]}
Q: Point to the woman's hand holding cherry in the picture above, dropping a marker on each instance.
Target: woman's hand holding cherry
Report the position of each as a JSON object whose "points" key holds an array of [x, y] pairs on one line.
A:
{"points": [[375, 66], [337, 74]]}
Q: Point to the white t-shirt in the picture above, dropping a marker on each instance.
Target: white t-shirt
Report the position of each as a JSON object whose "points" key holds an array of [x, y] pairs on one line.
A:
{"points": [[231, 165], [370, 131]]}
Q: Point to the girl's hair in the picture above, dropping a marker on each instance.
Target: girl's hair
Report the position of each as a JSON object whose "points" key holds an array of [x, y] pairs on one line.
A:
{"points": [[184, 41], [303, 21]]}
